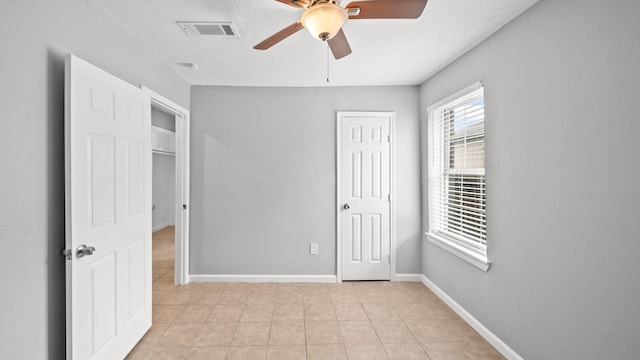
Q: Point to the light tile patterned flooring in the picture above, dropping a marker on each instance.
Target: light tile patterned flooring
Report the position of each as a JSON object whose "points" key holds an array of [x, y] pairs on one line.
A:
{"points": [[350, 320]]}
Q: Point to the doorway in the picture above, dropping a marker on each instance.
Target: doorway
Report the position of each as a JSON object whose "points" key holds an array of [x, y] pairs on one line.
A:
{"points": [[170, 195], [364, 196]]}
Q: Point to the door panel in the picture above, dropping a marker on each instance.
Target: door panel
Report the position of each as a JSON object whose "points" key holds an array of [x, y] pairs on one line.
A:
{"points": [[108, 206], [364, 185]]}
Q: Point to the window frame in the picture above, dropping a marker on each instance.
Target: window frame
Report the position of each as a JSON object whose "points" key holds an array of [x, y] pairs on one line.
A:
{"points": [[471, 251]]}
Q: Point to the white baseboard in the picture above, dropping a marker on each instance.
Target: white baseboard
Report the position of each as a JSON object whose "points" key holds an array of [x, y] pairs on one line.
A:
{"points": [[408, 277], [497, 343], [264, 278], [160, 227]]}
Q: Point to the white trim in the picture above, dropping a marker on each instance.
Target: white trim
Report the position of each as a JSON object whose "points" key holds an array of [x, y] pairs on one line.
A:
{"points": [[160, 227], [494, 340], [392, 229], [408, 277], [181, 271], [263, 278], [465, 254], [471, 88], [392, 194], [338, 192]]}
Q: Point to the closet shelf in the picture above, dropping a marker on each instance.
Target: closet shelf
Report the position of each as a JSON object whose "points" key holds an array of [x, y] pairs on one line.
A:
{"points": [[163, 141]]}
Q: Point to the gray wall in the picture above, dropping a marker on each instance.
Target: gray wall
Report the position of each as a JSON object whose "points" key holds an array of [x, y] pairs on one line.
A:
{"points": [[563, 168], [164, 191], [264, 170], [34, 36]]}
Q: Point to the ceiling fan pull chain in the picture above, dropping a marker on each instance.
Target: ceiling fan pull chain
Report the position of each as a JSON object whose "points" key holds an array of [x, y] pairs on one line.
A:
{"points": [[327, 61]]}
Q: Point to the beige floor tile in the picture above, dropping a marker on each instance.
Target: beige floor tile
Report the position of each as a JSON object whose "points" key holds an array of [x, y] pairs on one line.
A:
{"points": [[226, 313], [163, 284], [353, 311], [413, 311], [446, 351], [180, 334], [290, 352], [365, 352], [319, 311], [150, 339], [481, 350], [405, 352], [287, 296], [138, 354], [326, 352], [177, 297], [163, 264], [260, 312], [247, 353], [252, 333], [233, 296], [205, 297], [367, 313], [432, 331], [208, 353], [158, 295], [157, 273], [168, 275], [323, 332], [260, 299], [169, 353], [165, 314], [288, 312], [194, 314], [216, 334], [358, 332], [392, 332], [316, 295], [380, 311], [371, 295], [287, 333], [343, 295]]}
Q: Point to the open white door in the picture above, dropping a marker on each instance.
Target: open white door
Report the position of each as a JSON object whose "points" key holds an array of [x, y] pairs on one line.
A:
{"points": [[364, 195], [108, 207]]}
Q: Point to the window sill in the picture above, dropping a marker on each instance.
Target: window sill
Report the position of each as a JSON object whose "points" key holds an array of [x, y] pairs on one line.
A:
{"points": [[479, 261]]}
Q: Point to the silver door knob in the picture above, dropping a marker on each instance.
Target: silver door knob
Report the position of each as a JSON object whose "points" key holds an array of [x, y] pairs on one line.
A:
{"points": [[345, 206], [84, 250]]}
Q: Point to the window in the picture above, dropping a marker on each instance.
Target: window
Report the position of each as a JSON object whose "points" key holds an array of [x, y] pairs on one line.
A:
{"points": [[457, 197]]}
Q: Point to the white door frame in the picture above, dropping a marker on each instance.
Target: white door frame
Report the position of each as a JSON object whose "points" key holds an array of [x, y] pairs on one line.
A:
{"points": [[392, 235], [181, 206]]}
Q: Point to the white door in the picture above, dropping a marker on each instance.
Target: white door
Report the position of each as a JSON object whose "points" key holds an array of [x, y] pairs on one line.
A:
{"points": [[364, 219], [108, 207]]}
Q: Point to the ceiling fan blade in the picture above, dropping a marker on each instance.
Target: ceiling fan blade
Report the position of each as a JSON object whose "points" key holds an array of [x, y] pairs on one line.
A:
{"points": [[295, 3], [387, 9], [279, 36], [339, 45]]}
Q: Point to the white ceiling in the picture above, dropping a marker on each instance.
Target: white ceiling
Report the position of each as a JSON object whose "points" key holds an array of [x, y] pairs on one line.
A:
{"points": [[385, 52]]}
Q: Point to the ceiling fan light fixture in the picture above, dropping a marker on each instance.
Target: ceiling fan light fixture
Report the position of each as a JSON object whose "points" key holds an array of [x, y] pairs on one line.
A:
{"points": [[324, 20]]}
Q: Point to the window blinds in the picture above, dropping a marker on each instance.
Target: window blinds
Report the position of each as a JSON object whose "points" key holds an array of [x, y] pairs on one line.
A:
{"points": [[457, 199]]}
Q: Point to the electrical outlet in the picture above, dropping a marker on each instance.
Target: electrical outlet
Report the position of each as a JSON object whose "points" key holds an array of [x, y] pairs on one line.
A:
{"points": [[313, 249]]}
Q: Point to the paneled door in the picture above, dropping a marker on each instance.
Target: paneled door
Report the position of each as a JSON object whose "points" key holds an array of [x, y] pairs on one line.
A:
{"points": [[364, 195], [108, 213]]}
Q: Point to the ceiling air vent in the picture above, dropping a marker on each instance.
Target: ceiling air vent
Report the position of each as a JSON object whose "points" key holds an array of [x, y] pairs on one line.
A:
{"points": [[197, 29]]}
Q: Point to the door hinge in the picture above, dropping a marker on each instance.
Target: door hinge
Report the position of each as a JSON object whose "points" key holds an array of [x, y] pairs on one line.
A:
{"points": [[184, 206], [67, 253], [389, 198], [389, 138], [389, 257]]}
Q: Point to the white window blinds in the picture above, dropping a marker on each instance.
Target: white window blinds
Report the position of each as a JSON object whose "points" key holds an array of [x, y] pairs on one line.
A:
{"points": [[457, 199]]}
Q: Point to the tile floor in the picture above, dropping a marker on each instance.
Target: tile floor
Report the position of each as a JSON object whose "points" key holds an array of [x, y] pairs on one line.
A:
{"points": [[350, 320]]}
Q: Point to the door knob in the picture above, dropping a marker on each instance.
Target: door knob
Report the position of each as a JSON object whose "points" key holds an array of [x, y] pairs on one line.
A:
{"points": [[345, 206], [84, 250]]}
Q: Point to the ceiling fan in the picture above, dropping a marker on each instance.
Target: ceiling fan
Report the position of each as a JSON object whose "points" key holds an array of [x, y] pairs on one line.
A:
{"points": [[324, 19]]}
